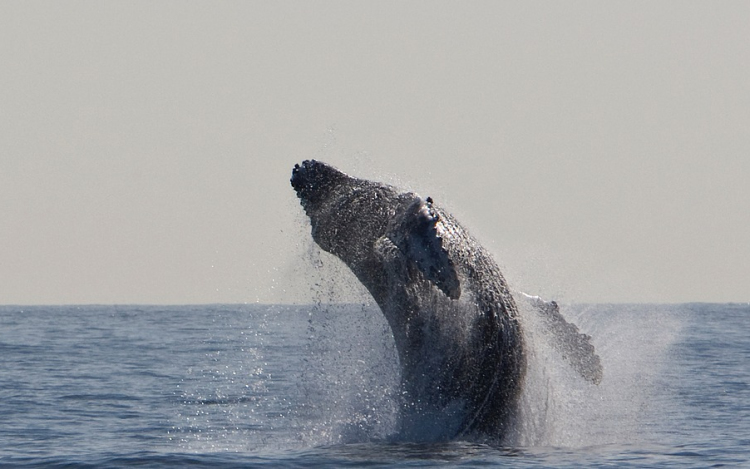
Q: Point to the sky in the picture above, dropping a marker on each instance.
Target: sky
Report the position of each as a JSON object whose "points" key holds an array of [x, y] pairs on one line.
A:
{"points": [[599, 150]]}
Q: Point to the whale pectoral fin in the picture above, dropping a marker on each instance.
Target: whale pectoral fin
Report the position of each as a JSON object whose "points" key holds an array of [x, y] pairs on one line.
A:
{"points": [[575, 347], [417, 237]]}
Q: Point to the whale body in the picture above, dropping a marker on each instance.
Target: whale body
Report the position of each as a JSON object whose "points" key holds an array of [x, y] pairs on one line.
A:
{"points": [[454, 320]]}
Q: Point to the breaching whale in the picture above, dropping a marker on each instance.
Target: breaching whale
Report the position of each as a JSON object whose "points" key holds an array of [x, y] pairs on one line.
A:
{"points": [[456, 325]]}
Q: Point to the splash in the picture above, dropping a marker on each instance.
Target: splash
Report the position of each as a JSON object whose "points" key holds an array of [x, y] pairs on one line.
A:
{"points": [[350, 378], [352, 368], [558, 408]]}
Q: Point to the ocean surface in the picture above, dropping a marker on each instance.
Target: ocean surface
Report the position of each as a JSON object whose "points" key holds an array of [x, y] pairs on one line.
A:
{"points": [[308, 386]]}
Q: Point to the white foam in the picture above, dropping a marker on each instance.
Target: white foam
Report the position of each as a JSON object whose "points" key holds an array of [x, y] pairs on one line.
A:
{"points": [[559, 408]]}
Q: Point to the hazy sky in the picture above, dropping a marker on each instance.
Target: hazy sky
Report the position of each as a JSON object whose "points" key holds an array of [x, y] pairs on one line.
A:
{"points": [[600, 150]]}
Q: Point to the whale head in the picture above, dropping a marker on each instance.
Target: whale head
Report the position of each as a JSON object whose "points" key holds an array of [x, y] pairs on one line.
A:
{"points": [[314, 182], [358, 220], [346, 213]]}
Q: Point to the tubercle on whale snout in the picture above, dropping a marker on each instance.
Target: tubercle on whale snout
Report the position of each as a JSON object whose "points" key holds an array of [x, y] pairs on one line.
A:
{"points": [[298, 177]]}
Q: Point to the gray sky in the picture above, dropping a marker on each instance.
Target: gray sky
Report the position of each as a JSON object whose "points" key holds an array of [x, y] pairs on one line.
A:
{"points": [[600, 150]]}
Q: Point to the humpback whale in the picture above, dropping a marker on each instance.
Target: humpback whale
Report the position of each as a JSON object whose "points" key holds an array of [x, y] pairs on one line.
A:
{"points": [[456, 326]]}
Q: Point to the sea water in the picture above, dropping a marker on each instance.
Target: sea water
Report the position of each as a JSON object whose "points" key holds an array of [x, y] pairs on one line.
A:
{"points": [[317, 385]]}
